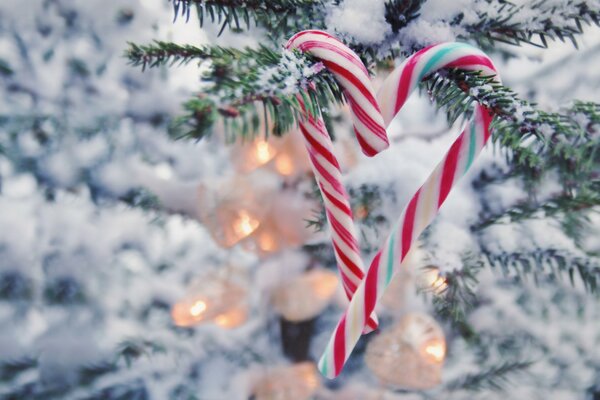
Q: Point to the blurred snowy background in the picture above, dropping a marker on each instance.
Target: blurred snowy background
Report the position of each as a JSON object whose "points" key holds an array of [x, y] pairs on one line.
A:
{"points": [[99, 230]]}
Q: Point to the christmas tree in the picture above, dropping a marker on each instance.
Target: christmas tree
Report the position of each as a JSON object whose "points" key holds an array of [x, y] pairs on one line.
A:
{"points": [[163, 235]]}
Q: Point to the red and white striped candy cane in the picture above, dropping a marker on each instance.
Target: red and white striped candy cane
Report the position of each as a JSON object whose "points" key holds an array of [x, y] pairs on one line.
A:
{"points": [[425, 203], [370, 131]]}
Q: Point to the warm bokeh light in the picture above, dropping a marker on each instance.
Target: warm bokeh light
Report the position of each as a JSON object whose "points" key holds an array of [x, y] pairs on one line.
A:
{"points": [[213, 298], [244, 224], [433, 280], [232, 318], [434, 350], [306, 296], [266, 242], [198, 308], [284, 164], [264, 151], [323, 283], [410, 355], [189, 312], [294, 382]]}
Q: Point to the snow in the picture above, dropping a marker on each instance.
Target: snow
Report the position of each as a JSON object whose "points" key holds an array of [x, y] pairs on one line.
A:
{"points": [[359, 20], [60, 217]]}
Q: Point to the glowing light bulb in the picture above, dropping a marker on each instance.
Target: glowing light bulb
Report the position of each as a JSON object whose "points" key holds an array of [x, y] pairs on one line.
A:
{"points": [[284, 164], [434, 281], [232, 319], [198, 308], [434, 350], [245, 224], [264, 152]]}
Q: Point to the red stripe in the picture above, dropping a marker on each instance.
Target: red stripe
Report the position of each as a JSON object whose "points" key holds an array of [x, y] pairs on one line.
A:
{"points": [[322, 150], [349, 76], [340, 205], [346, 53], [345, 236], [470, 61], [339, 346], [349, 286], [335, 183], [356, 271], [449, 169], [375, 127], [366, 148], [486, 119], [371, 286], [405, 78], [409, 223]]}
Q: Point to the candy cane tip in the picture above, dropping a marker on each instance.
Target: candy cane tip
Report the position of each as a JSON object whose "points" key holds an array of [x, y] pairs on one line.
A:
{"points": [[371, 151], [325, 370]]}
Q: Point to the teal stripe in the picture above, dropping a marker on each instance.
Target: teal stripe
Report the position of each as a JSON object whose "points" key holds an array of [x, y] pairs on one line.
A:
{"points": [[472, 144], [324, 367], [436, 58], [390, 263]]}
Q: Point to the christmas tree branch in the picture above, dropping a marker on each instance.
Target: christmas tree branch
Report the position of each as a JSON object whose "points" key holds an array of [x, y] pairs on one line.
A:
{"points": [[562, 204], [495, 377], [548, 264], [533, 23], [277, 16], [459, 297], [537, 140]]}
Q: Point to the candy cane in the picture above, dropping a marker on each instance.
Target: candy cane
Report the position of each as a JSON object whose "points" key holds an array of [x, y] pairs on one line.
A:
{"points": [[424, 205], [371, 134]]}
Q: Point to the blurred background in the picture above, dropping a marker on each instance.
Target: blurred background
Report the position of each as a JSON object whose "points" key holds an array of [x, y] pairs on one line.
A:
{"points": [[135, 266]]}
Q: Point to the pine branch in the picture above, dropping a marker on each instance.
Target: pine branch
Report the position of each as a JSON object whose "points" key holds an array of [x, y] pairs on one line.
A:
{"points": [[459, 298], [566, 141], [563, 204], [534, 24], [548, 264], [276, 16], [494, 378], [248, 88]]}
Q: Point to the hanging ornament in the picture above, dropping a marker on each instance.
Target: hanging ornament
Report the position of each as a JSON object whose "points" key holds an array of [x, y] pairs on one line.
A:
{"points": [[232, 210], [296, 382], [431, 279], [212, 298], [410, 355], [248, 156], [305, 296]]}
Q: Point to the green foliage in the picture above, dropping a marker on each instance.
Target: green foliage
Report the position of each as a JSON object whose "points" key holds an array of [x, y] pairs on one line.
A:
{"points": [[277, 16], [548, 265], [536, 140], [495, 377], [459, 297], [132, 349], [548, 22], [248, 88]]}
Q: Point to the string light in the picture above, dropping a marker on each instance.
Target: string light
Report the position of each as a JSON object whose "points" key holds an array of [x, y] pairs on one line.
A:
{"points": [[232, 210], [295, 382], [305, 296], [431, 279], [409, 355], [212, 299], [284, 164], [264, 151], [434, 350], [244, 224], [198, 308], [249, 156]]}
